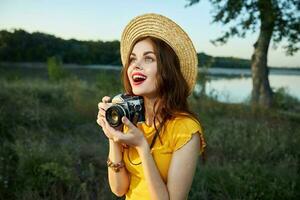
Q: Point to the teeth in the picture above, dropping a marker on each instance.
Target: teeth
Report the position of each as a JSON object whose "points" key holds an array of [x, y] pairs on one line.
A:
{"points": [[138, 77]]}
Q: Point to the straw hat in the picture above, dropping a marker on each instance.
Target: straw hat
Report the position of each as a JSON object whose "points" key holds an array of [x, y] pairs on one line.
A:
{"points": [[163, 28]]}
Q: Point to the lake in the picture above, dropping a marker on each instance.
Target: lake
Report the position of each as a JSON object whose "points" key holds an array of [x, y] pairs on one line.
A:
{"points": [[235, 85], [238, 89], [226, 85]]}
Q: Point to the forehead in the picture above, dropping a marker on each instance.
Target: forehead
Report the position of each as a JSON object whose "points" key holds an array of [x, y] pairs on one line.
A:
{"points": [[143, 46]]}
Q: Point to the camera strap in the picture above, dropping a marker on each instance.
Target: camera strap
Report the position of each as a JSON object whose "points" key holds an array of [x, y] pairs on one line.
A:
{"points": [[154, 139], [155, 136], [151, 146]]}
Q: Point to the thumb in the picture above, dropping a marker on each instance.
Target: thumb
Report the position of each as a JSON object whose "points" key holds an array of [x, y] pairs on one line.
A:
{"points": [[128, 123]]}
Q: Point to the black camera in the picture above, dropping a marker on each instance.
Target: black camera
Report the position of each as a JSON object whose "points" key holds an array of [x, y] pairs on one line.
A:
{"points": [[126, 105]]}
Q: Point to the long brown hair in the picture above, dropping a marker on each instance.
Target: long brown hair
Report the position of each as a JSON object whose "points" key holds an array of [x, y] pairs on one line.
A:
{"points": [[171, 86]]}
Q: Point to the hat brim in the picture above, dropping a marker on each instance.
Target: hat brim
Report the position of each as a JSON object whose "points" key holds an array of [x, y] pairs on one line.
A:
{"points": [[163, 28]]}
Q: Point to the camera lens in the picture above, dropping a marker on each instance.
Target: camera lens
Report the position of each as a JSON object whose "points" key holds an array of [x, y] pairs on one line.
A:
{"points": [[114, 115]]}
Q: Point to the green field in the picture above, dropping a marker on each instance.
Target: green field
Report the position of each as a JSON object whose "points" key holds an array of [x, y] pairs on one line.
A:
{"points": [[52, 148]]}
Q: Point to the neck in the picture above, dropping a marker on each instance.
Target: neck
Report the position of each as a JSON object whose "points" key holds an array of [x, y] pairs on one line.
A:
{"points": [[149, 110]]}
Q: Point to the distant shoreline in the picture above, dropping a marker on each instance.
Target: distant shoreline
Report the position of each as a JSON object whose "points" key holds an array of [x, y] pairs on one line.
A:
{"points": [[213, 71]]}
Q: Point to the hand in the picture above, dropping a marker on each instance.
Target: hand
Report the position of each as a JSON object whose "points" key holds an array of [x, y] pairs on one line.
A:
{"points": [[134, 137], [103, 106]]}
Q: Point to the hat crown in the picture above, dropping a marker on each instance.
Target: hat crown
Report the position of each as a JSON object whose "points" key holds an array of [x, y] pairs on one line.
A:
{"points": [[163, 28]]}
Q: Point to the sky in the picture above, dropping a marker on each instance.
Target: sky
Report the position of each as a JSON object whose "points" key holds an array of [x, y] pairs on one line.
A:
{"points": [[105, 20]]}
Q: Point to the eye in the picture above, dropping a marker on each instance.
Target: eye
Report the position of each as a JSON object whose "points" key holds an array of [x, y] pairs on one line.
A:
{"points": [[149, 60], [132, 59]]}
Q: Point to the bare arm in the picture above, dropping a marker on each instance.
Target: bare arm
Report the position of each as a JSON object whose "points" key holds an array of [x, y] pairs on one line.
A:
{"points": [[157, 188], [182, 169], [118, 181], [134, 137], [179, 181]]}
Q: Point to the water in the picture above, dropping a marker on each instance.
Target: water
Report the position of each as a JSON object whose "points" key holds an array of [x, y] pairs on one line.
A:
{"points": [[238, 89], [226, 85]]}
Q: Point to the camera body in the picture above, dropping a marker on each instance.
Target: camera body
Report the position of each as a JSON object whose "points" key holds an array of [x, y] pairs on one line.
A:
{"points": [[126, 105]]}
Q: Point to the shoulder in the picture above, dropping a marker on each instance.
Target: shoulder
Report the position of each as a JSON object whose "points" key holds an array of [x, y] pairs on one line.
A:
{"points": [[181, 130], [185, 123]]}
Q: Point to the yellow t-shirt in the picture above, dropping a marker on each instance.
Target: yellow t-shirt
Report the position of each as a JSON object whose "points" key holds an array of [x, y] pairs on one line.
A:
{"points": [[176, 133]]}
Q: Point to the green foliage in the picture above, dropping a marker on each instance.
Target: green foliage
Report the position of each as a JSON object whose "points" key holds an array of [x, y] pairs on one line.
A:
{"points": [[243, 181], [246, 16], [8, 169], [222, 62], [250, 154], [55, 150], [55, 69], [21, 46], [283, 100], [106, 80]]}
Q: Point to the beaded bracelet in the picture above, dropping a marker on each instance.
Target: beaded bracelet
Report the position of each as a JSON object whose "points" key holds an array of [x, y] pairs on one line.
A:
{"points": [[115, 166]]}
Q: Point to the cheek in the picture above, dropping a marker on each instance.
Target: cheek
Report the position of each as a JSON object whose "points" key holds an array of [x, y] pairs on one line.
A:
{"points": [[128, 73], [152, 69], [154, 73], [153, 78]]}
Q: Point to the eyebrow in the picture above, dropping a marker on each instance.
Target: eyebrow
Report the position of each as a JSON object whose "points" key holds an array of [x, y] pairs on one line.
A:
{"points": [[145, 53]]}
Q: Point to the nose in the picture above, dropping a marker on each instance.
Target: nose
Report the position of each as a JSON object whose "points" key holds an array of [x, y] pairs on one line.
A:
{"points": [[138, 65]]}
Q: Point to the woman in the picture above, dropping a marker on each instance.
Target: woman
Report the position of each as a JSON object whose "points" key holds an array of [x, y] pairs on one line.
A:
{"points": [[155, 159]]}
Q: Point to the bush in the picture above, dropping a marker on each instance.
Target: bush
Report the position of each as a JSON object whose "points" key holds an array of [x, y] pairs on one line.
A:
{"points": [[55, 69], [55, 150], [8, 169], [283, 100]]}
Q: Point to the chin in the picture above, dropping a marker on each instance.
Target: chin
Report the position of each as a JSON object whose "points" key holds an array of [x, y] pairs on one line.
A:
{"points": [[137, 92], [144, 94]]}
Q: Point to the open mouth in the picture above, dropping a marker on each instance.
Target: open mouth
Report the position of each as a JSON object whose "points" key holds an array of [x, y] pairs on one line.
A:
{"points": [[138, 78]]}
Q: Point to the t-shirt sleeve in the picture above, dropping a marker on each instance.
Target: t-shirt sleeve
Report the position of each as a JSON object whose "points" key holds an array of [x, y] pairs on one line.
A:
{"points": [[183, 131]]}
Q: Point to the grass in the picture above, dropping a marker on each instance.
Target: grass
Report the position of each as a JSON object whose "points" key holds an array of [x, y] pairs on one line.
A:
{"points": [[52, 148]]}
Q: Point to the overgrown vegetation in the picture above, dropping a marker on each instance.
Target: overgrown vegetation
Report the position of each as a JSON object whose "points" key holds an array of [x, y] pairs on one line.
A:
{"points": [[21, 46], [52, 148], [55, 69]]}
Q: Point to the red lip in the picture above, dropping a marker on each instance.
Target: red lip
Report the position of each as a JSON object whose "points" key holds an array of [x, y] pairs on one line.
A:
{"points": [[139, 74], [137, 83]]}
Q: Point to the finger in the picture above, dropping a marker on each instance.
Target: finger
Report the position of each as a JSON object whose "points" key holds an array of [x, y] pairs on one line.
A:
{"points": [[98, 121], [103, 106], [106, 99], [101, 122], [117, 136], [105, 131], [101, 113], [121, 138], [128, 123]]}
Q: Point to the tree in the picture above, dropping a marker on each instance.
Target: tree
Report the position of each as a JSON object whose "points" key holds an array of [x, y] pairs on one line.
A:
{"points": [[276, 20], [21, 46]]}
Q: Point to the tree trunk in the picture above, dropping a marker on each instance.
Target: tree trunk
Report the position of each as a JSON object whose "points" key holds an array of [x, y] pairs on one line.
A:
{"points": [[261, 91]]}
